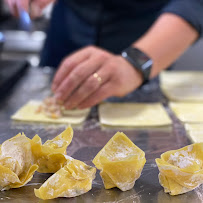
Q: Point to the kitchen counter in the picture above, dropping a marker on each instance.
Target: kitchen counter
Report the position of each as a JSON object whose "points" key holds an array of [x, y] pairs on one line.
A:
{"points": [[89, 139]]}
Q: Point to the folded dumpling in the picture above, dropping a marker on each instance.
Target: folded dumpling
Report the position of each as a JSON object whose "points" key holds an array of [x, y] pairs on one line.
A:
{"points": [[74, 179], [50, 156], [121, 162], [181, 170], [16, 162]]}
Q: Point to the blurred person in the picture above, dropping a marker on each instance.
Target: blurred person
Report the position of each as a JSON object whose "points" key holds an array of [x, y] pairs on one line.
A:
{"points": [[106, 48]]}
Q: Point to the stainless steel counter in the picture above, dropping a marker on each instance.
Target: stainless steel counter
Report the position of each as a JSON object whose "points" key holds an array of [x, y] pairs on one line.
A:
{"points": [[89, 139]]}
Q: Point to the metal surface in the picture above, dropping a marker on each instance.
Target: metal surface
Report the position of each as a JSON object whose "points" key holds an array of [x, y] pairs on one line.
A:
{"points": [[89, 139], [22, 41]]}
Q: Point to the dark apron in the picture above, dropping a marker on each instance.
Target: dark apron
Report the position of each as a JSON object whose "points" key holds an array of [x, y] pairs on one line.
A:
{"points": [[109, 24]]}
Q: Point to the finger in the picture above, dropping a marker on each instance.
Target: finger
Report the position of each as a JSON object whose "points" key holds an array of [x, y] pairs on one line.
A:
{"points": [[23, 5], [13, 8], [104, 92], [77, 77], [16, 11], [90, 85], [10, 5], [20, 6], [68, 64], [35, 9]]}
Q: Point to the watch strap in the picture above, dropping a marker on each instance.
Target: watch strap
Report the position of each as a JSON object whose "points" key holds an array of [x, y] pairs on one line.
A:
{"points": [[139, 60]]}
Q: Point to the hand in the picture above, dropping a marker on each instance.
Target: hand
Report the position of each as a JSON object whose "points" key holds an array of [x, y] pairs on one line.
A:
{"points": [[33, 7], [91, 75]]}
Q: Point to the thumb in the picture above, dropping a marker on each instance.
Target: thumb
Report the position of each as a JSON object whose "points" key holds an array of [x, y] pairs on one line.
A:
{"points": [[22, 4]]}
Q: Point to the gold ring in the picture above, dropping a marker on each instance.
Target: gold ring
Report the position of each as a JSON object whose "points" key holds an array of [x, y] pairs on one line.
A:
{"points": [[95, 75]]}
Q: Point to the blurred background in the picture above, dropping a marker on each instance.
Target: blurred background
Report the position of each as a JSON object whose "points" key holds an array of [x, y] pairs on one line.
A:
{"points": [[20, 44]]}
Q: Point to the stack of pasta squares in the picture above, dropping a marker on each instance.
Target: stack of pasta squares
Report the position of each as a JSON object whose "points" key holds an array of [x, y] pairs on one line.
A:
{"points": [[184, 89]]}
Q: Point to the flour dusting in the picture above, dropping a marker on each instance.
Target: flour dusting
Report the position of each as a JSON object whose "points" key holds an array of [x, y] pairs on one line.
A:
{"points": [[182, 159], [59, 143]]}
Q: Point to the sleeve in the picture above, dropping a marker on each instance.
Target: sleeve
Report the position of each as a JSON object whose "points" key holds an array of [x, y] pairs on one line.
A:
{"points": [[190, 10]]}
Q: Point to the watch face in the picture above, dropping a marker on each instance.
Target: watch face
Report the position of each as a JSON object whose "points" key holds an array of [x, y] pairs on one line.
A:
{"points": [[140, 57]]}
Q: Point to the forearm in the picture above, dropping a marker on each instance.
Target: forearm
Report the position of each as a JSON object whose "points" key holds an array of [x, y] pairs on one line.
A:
{"points": [[166, 40]]}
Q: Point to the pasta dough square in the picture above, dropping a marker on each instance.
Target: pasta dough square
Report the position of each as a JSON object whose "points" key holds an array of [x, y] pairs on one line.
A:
{"points": [[182, 86], [196, 136], [28, 113], [188, 112], [194, 127], [195, 132], [133, 114]]}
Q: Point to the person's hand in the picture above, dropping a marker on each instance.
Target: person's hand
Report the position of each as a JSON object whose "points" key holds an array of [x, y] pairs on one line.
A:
{"points": [[33, 7], [91, 75]]}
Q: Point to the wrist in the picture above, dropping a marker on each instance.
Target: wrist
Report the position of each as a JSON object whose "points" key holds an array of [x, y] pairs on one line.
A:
{"points": [[140, 61]]}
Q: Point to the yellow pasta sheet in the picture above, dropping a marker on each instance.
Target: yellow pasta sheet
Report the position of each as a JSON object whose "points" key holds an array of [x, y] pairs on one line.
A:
{"points": [[188, 112], [185, 86], [29, 113], [74, 179], [120, 162], [133, 114], [181, 170], [50, 156], [194, 126], [195, 132]]}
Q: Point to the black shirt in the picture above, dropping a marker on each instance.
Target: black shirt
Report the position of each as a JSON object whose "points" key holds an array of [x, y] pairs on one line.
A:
{"points": [[110, 24], [114, 20]]}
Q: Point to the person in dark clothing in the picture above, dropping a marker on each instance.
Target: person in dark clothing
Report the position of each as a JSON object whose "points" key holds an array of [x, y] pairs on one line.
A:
{"points": [[85, 40]]}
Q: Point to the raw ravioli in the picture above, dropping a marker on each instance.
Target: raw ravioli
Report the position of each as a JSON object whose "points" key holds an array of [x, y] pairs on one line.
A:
{"points": [[50, 156], [16, 162], [74, 179], [133, 114], [181, 170], [121, 162]]}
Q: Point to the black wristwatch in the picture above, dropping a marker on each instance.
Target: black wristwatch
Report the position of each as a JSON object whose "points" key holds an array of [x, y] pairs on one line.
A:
{"points": [[139, 60]]}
